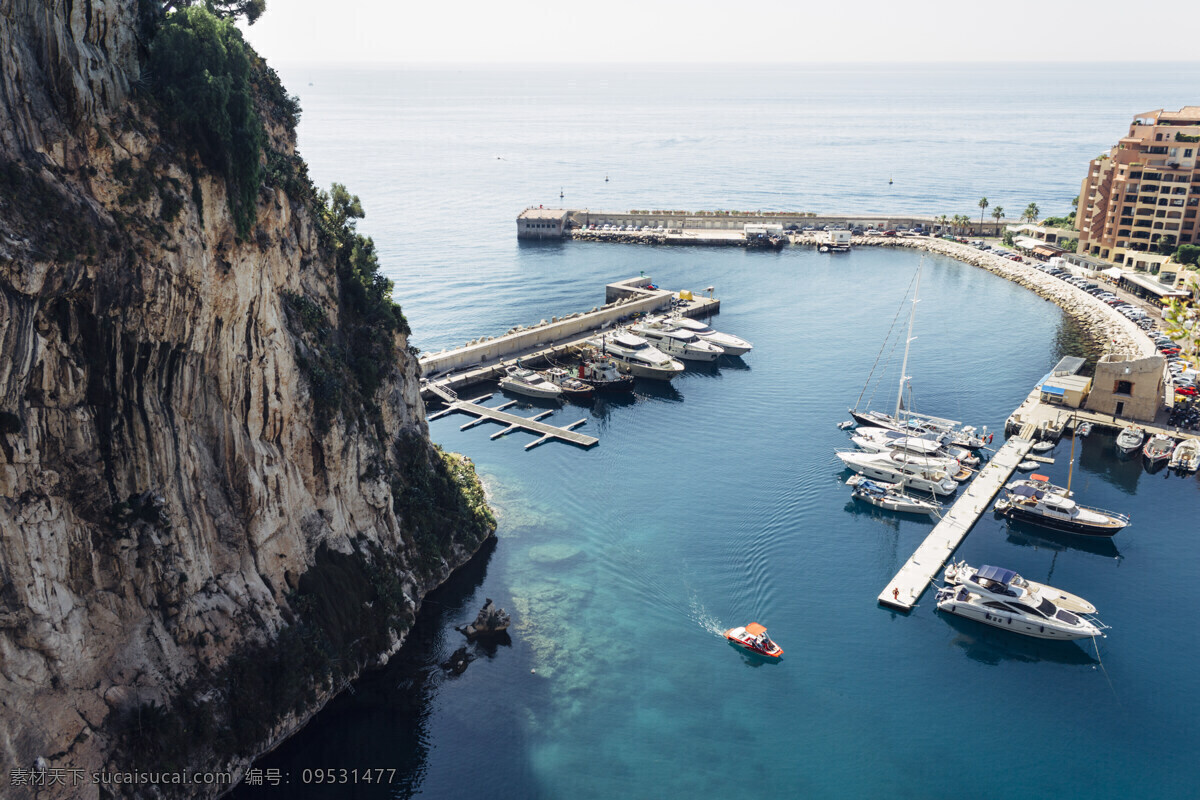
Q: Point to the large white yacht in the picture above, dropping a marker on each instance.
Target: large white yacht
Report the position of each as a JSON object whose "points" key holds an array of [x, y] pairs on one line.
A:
{"points": [[913, 448], [732, 345], [960, 572], [681, 344], [634, 355], [914, 441], [992, 597], [884, 467]]}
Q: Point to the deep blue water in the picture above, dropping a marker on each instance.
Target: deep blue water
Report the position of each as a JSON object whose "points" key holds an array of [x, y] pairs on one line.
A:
{"points": [[717, 500]]}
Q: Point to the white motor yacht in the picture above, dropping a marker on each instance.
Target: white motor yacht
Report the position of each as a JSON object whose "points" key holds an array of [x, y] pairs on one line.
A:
{"points": [[994, 600], [882, 466], [881, 439], [633, 355], [679, 343], [978, 580], [732, 345], [529, 383]]}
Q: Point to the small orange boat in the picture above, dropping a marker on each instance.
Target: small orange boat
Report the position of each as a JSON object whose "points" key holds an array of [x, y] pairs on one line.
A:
{"points": [[754, 638]]}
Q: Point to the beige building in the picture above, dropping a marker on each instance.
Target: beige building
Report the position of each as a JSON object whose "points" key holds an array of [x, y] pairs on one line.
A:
{"points": [[541, 223], [1129, 388], [1144, 189]]}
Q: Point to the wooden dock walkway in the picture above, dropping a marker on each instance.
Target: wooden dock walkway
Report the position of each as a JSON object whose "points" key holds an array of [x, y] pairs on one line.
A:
{"points": [[903, 591], [513, 421]]}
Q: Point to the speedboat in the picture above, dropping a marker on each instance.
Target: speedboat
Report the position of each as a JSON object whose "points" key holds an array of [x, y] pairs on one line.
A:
{"points": [[1015, 609], [889, 496], [1158, 448], [1059, 512], [882, 466], [633, 355], [753, 637], [1130, 438], [1042, 447], [732, 345], [1186, 457], [681, 344], [984, 580], [601, 374], [529, 383], [571, 387]]}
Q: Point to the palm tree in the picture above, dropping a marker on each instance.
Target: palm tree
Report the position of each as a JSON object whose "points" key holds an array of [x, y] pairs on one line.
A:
{"points": [[983, 204], [998, 213], [1031, 212]]}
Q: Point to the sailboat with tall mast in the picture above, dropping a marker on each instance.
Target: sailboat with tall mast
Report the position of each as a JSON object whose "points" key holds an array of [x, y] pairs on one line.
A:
{"points": [[908, 421], [1041, 503], [879, 419]]}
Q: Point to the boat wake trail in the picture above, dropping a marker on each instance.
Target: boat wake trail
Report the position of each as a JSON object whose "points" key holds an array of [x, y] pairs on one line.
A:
{"points": [[704, 619]]}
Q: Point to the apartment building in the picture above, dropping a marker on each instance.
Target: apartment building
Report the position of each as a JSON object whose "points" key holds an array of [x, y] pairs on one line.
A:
{"points": [[1144, 191]]}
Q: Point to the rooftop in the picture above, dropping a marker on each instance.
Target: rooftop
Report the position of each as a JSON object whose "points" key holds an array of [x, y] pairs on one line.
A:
{"points": [[543, 213]]}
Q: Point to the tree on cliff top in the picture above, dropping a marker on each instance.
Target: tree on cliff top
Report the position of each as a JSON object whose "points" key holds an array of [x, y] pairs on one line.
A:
{"points": [[250, 9]]}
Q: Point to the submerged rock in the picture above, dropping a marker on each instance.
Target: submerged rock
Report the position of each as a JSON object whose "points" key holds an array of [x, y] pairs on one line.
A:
{"points": [[458, 661]]}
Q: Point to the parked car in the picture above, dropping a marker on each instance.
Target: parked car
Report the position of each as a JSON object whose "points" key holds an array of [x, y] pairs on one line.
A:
{"points": [[889, 233]]}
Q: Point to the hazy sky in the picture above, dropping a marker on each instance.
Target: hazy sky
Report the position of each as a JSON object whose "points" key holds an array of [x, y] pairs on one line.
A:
{"points": [[391, 31]]}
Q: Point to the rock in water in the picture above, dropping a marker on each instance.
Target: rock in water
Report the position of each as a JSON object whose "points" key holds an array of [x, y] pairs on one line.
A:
{"points": [[458, 661], [491, 621]]}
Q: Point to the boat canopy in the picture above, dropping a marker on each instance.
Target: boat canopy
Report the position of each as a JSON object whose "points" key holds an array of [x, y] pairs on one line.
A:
{"points": [[629, 340], [1058, 502], [1027, 491], [1036, 477], [998, 574], [754, 629]]}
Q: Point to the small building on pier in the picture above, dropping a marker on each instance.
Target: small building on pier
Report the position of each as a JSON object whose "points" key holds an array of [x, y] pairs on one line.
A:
{"points": [[542, 223]]}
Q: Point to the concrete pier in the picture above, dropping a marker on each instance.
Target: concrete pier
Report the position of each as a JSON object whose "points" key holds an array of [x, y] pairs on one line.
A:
{"points": [[513, 421], [903, 591]]}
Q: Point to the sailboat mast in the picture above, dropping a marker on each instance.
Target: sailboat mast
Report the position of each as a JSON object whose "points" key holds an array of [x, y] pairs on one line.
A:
{"points": [[907, 342], [1071, 466]]}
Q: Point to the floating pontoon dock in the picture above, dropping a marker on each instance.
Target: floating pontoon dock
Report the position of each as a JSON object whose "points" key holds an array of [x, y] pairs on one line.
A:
{"points": [[513, 421], [923, 566]]}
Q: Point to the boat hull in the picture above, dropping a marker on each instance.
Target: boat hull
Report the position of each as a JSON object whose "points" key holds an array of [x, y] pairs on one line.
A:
{"points": [[516, 387], [750, 648], [645, 371], [1011, 622], [1015, 512]]}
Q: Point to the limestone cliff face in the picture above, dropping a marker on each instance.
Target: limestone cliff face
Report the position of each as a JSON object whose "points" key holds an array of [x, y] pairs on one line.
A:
{"points": [[165, 484]]}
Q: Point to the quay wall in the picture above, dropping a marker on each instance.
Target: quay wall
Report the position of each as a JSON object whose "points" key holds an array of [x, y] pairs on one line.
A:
{"points": [[624, 298], [715, 220], [1110, 330]]}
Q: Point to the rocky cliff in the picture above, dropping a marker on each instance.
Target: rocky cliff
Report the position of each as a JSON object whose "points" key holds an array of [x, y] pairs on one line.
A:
{"points": [[210, 517]]}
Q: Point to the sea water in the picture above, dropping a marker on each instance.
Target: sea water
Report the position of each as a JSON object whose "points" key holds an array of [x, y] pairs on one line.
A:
{"points": [[716, 500]]}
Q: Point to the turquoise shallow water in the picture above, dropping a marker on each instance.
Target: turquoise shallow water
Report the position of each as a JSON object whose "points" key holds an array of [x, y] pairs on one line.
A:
{"points": [[717, 500]]}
